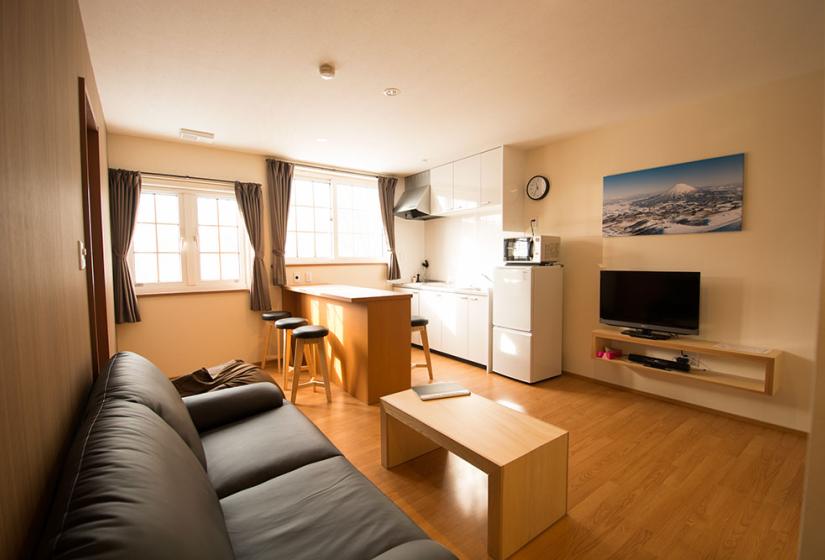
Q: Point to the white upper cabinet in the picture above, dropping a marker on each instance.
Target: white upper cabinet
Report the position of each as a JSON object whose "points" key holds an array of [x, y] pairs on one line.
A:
{"points": [[441, 189], [492, 177], [467, 183]]}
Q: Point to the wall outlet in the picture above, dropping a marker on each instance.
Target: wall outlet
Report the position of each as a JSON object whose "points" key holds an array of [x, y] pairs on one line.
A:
{"points": [[308, 276], [297, 277]]}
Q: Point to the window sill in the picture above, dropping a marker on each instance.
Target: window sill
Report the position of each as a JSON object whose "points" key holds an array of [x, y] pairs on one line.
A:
{"points": [[192, 292]]}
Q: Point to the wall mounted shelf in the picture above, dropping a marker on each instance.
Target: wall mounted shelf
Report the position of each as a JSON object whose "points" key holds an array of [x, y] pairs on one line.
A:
{"points": [[768, 360]]}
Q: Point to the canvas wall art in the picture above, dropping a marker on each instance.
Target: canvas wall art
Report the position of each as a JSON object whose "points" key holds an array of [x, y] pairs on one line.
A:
{"points": [[696, 197]]}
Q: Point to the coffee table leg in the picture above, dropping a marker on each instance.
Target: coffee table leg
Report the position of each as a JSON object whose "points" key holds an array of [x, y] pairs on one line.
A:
{"points": [[525, 497], [400, 443]]}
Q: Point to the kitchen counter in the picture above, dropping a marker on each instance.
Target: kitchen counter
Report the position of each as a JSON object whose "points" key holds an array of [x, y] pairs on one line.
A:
{"points": [[342, 292], [443, 287], [369, 335]]}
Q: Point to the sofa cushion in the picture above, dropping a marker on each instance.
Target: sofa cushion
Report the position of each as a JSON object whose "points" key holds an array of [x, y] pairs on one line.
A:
{"points": [[131, 488], [257, 448], [323, 510], [416, 550], [133, 378]]}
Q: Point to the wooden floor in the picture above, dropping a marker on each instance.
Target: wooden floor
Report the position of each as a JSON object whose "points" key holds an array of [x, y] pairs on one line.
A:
{"points": [[648, 479]]}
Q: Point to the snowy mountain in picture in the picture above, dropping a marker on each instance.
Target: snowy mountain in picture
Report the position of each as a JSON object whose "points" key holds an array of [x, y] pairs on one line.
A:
{"points": [[696, 197]]}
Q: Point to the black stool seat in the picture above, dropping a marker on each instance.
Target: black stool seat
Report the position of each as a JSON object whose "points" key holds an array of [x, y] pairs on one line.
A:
{"points": [[291, 323], [310, 331], [419, 321], [275, 315]]}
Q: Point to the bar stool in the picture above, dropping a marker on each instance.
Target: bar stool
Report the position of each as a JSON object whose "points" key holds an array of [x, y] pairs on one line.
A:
{"points": [[286, 326], [270, 317], [310, 339], [419, 324]]}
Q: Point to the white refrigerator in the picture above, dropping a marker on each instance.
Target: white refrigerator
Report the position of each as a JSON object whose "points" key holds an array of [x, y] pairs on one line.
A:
{"points": [[527, 322]]}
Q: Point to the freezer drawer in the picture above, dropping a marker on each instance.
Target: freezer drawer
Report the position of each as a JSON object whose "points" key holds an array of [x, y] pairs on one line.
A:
{"points": [[512, 353]]}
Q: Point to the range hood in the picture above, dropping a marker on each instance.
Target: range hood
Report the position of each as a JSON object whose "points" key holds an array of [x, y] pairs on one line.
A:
{"points": [[414, 204]]}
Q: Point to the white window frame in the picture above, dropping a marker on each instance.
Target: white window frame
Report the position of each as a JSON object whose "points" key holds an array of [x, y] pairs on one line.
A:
{"points": [[188, 192], [310, 174]]}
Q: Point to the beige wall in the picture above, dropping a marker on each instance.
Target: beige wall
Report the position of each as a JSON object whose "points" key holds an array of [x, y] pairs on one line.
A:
{"points": [[759, 286], [812, 537], [45, 345], [181, 333]]}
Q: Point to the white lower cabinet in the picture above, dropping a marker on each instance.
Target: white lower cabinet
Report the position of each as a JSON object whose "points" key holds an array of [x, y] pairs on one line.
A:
{"points": [[415, 308], [458, 324]]}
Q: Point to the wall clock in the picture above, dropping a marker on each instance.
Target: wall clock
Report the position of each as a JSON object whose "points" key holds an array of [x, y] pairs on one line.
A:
{"points": [[538, 187]]}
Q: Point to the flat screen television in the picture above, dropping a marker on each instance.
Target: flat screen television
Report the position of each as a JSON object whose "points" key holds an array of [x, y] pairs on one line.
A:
{"points": [[650, 302]]}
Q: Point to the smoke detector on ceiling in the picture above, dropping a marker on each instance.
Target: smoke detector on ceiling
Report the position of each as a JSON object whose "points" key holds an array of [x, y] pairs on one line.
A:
{"points": [[197, 136], [327, 71]]}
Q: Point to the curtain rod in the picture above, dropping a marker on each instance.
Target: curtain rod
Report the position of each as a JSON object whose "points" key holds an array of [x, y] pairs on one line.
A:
{"points": [[188, 177]]}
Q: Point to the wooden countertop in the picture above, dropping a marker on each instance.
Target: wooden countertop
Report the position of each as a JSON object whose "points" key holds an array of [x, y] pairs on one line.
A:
{"points": [[351, 294]]}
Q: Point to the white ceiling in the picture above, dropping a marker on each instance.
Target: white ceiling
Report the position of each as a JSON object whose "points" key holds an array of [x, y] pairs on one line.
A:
{"points": [[473, 74]]}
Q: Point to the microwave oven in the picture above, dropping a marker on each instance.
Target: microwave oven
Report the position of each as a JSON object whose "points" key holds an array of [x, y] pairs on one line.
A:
{"points": [[539, 249]]}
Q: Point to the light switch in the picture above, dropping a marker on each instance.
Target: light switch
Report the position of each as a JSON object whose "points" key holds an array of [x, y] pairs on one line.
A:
{"points": [[81, 255]]}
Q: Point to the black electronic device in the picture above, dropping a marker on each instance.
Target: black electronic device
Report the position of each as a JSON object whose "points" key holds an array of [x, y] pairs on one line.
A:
{"points": [[654, 304], [659, 363]]}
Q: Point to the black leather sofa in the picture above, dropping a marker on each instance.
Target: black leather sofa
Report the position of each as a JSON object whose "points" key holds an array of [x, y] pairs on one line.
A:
{"points": [[237, 473]]}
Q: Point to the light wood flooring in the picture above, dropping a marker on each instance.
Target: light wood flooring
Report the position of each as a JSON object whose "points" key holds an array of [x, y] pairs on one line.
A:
{"points": [[647, 479]]}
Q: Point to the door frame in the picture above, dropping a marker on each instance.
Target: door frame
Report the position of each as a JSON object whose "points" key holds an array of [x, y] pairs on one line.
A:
{"points": [[93, 232]]}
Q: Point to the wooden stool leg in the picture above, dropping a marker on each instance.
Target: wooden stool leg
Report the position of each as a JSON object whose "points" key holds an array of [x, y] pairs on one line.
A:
{"points": [[313, 370], [425, 342], [277, 352], [287, 352], [266, 344], [322, 364], [296, 371]]}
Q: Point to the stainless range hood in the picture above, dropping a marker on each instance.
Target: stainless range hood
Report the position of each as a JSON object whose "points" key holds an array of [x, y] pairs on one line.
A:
{"points": [[414, 204]]}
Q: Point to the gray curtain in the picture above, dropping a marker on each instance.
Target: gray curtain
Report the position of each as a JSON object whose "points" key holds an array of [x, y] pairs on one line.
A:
{"points": [[124, 195], [386, 197], [248, 196], [279, 183]]}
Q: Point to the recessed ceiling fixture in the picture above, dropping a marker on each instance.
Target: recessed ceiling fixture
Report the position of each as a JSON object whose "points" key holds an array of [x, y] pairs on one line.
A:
{"points": [[197, 135], [327, 71], [392, 92]]}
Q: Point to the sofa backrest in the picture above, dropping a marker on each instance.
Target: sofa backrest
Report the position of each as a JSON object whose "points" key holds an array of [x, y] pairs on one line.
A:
{"points": [[131, 377], [131, 488]]}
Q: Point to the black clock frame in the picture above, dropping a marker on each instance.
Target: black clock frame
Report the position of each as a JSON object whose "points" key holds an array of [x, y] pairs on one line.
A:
{"points": [[546, 191]]}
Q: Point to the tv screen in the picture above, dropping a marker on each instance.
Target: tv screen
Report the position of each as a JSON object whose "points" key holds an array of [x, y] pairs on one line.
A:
{"points": [[655, 301]]}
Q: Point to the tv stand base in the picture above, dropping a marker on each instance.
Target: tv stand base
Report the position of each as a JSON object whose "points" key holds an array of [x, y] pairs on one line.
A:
{"points": [[645, 333]]}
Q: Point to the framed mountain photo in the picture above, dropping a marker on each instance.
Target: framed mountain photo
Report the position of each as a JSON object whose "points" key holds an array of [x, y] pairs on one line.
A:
{"points": [[695, 197]]}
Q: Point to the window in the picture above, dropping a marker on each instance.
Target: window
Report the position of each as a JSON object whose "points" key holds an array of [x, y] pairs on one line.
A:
{"points": [[188, 239], [334, 217]]}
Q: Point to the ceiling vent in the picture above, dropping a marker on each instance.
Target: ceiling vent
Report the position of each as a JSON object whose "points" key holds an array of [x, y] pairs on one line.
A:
{"points": [[197, 136]]}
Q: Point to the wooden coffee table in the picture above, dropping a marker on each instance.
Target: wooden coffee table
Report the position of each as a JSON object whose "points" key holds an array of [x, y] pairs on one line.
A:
{"points": [[525, 459]]}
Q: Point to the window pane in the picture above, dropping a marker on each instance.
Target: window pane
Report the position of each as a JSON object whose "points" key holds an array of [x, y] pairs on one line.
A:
{"points": [[323, 219], [169, 265], [302, 193], [323, 245], [345, 245], [344, 194], [146, 268], [146, 208], [168, 239], [290, 251], [208, 237], [207, 211], [228, 210], [167, 208], [344, 220], [321, 192], [230, 267], [304, 220], [306, 245], [144, 238], [210, 266], [229, 239], [290, 222]]}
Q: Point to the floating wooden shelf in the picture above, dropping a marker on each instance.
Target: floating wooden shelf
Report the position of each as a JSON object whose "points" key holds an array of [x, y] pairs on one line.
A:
{"points": [[767, 360]]}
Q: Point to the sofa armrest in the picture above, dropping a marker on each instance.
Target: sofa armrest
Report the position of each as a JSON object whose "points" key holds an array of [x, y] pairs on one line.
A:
{"points": [[216, 408], [417, 550]]}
